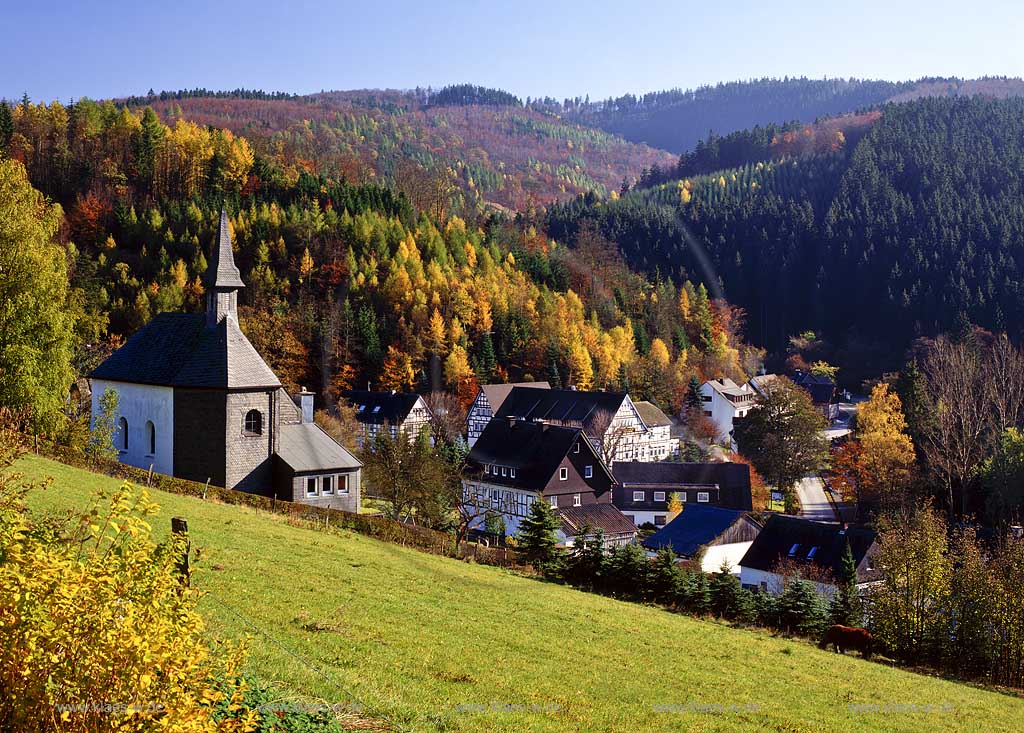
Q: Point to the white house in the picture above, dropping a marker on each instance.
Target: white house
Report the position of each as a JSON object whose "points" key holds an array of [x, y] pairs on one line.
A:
{"points": [[724, 401], [725, 535]]}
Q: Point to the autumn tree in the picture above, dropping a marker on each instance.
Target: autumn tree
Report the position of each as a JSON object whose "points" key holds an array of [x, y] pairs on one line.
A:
{"points": [[782, 435], [398, 373]]}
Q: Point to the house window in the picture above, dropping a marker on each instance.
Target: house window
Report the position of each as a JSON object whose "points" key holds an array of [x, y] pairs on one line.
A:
{"points": [[253, 423], [576, 501], [554, 502], [123, 425], [706, 397], [327, 486], [504, 471], [659, 520], [151, 437], [343, 484], [707, 413], [703, 496], [563, 474], [487, 468], [793, 549], [311, 486], [810, 555], [659, 496], [639, 496], [588, 472], [511, 473], [576, 448]]}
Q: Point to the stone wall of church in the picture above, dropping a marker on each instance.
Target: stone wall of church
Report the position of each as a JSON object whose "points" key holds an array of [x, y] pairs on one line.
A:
{"points": [[199, 420], [249, 457]]}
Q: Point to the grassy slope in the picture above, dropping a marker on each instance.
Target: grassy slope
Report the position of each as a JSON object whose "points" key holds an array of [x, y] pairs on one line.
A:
{"points": [[414, 637]]}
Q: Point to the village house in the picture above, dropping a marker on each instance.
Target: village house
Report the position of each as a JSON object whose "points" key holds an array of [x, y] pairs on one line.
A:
{"points": [[517, 462], [489, 398], [661, 444], [723, 401], [724, 535], [399, 412], [788, 545], [643, 490], [615, 528], [609, 419], [822, 390], [196, 401]]}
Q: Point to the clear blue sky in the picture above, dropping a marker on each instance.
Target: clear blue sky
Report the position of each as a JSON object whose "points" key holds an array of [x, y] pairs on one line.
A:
{"points": [[104, 48]]}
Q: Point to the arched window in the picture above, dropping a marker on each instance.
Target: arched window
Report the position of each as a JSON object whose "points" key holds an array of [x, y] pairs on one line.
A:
{"points": [[253, 423], [123, 427], [151, 437]]}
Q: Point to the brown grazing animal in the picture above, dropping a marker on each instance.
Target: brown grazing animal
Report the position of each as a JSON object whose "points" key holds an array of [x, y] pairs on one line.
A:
{"points": [[842, 638]]}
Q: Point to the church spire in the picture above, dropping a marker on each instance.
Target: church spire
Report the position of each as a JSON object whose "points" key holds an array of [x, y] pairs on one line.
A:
{"points": [[222, 278]]}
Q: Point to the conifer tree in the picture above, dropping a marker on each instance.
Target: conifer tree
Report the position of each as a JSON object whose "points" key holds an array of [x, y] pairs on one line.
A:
{"points": [[101, 436], [536, 538], [845, 606]]}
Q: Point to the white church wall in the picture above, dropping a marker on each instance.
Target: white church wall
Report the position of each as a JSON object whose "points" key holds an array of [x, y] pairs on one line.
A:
{"points": [[140, 404]]}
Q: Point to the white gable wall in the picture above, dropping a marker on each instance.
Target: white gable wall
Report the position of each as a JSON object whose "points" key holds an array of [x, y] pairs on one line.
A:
{"points": [[715, 555], [139, 404]]}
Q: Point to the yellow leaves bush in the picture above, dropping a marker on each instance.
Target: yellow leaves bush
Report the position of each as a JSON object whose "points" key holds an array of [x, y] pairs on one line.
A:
{"points": [[97, 631]]}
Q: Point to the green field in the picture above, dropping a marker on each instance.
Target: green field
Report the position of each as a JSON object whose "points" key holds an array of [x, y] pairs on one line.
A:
{"points": [[434, 644]]}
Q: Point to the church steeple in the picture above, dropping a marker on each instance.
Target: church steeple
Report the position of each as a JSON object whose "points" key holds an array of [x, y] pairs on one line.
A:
{"points": [[222, 278]]}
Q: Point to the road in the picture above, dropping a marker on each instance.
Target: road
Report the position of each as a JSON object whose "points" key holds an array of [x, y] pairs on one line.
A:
{"points": [[814, 504]]}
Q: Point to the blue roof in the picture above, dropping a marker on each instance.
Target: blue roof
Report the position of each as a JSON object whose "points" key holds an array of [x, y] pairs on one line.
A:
{"points": [[699, 524]]}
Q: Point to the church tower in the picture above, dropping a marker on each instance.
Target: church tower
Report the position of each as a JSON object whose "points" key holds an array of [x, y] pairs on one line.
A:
{"points": [[222, 279]]}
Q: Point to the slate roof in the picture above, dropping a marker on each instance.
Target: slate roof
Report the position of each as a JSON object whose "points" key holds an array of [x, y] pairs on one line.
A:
{"points": [[761, 382], [732, 479], [651, 415], [178, 350], [307, 448], [728, 387], [381, 407], [222, 272], [783, 534], [561, 406], [535, 450], [604, 517], [821, 388], [496, 393], [697, 525]]}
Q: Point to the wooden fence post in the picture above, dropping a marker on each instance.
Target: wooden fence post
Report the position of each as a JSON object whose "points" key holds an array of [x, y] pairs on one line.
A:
{"points": [[149, 477], [179, 527], [206, 488]]}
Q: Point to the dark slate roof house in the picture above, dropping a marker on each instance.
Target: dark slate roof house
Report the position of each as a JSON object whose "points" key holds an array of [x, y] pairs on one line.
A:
{"points": [[516, 462], [792, 539], [700, 525], [404, 412], [591, 411], [489, 398], [197, 401], [644, 488]]}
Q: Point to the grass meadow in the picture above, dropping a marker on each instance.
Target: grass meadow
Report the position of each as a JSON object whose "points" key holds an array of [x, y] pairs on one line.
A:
{"points": [[434, 644]]}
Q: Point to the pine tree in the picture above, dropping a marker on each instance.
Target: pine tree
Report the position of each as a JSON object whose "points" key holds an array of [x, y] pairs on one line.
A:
{"points": [[536, 538], [585, 566], [694, 400], [665, 578], [801, 610], [486, 361], [6, 126], [845, 606], [623, 378]]}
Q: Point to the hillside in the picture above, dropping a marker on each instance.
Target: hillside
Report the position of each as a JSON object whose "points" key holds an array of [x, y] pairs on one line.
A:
{"points": [[870, 245], [345, 283], [676, 120], [431, 644], [502, 154]]}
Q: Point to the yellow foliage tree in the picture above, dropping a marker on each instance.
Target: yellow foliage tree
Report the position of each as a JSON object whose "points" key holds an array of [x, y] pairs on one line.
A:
{"points": [[97, 631], [887, 455], [398, 372]]}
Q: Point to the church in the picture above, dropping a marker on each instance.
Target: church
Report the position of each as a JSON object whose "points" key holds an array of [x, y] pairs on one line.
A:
{"points": [[196, 401]]}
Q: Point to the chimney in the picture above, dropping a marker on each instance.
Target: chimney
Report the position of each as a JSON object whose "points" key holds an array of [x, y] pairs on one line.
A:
{"points": [[304, 400], [511, 421]]}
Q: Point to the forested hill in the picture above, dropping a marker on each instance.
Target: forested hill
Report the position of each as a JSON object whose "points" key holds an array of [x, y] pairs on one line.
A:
{"points": [[676, 120], [346, 283], [484, 146], [870, 245]]}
